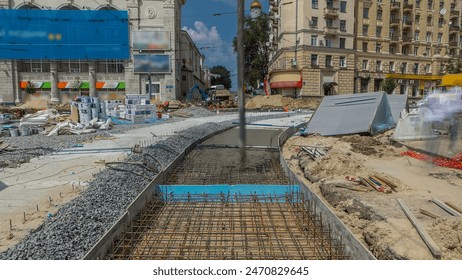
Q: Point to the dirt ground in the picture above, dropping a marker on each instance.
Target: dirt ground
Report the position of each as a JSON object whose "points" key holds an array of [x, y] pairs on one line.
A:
{"points": [[375, 217], [279, 102]]}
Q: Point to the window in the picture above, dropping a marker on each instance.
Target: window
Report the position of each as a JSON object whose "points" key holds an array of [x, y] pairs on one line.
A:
{"points": [[314, 22], [440, 38], [365, 30], [430, 4], [329, 22], [392, 49], [416, 68], [328, 43], [427, 52], [329, 61], [378, 66], [392, 66], [428, 37], [440, 22], [34, 66], [441, 5], [378, 48], [314, 40], [342, 61], [379, 14], [342, 43], [343, 25], [330, 3], [73, 66], [428, 69], [343, 5], [417, 4], [364, 46], [314, 4], [364, 84], [365, 64], [110, 66], [417, 19], [365, 12], [314, 60], [378, 31], [404, 68], [405, 50], [416, 36], [416, 51], [429, 21]]}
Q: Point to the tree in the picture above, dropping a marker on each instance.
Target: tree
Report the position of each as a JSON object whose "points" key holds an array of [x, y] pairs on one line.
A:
{"points": [[256, 52], [454, 65], [222, 76], [388, 85]]}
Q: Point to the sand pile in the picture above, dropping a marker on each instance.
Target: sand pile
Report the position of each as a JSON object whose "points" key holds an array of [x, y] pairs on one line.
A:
{"points": [[279, 102]]}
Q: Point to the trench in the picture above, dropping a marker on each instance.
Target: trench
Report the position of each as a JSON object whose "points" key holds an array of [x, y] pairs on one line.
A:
{"points": [[213, 207]]}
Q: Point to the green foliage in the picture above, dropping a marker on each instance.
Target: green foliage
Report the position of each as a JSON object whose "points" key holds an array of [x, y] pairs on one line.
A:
{"points": [[454, 65], [256, 53], [223, 78], [388, 85], [30, 88]]}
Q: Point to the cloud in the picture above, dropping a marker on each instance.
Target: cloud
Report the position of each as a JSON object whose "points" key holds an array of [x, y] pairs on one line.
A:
{"points": [[209, 42], [217, 51]]}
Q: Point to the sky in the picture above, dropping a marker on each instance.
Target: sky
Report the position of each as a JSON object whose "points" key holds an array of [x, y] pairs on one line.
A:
{"points": [[213, 35]]}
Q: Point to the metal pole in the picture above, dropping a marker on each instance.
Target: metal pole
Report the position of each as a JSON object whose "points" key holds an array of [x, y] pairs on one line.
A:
{"points": [[240, 77], [150, 87]]}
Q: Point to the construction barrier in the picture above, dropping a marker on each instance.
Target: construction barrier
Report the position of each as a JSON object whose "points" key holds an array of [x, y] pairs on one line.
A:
{"points": [[455, 162]]}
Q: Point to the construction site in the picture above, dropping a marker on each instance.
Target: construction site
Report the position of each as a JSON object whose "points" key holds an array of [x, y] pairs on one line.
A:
{"points": [[179, 190]]}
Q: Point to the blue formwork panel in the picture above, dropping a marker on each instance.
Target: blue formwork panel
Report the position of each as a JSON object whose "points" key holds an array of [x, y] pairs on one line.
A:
{"points": [[227, 192]]}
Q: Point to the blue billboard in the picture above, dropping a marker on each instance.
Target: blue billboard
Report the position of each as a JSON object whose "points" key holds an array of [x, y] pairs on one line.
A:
{"points": [[56, 34]]}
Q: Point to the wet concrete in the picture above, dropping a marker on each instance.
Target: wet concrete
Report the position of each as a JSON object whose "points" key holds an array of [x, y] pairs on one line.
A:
{"points": [[263, 137]]}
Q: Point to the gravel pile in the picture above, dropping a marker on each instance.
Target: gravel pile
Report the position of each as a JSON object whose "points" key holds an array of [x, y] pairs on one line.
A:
{"points": [[79, 224], [28, 147]]}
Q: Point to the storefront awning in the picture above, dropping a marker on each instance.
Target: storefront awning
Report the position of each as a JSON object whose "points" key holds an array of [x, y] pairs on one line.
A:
{"points": [[286, 79]]}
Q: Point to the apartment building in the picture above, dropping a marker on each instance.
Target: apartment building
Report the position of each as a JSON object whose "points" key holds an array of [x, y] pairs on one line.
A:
{"points": [[312, 47], [154, 36], [409, 41]]}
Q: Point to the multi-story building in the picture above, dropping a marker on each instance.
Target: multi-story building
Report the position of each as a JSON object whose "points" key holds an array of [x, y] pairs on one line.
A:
{"points": [[192, 67], [54, 79], [409, 41], [312, 46]]}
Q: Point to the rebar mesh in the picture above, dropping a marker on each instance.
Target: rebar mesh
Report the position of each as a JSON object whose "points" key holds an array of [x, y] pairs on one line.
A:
{"points": [[219, 227]]}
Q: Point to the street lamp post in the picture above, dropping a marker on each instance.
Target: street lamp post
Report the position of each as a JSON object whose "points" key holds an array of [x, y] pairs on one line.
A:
{"points": [[240, 78]]}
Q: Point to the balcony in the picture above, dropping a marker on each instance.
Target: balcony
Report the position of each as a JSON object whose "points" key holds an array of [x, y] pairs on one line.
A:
{"points": [[395, 6], [330, 30], [407, 8], [454, 29], [407, 24], [454, 15], [394, 22], [453, 43], [394, 38], [407, 40], [330, 12]]}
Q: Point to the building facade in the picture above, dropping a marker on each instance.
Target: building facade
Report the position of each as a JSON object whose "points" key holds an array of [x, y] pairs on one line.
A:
{"points": [[56, 79], [192, 65], [344, 46]]}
